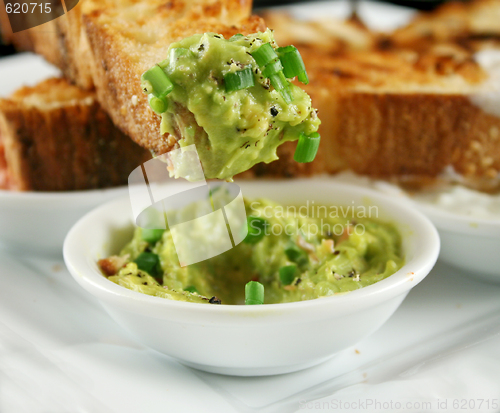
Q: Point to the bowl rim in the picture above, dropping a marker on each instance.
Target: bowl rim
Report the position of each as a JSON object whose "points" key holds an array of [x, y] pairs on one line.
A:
{"points": [[401, 281], [459, 223], [13, 195]]}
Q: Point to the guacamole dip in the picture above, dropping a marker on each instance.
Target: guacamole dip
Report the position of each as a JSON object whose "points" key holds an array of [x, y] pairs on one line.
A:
{"points": [[295, 254], [234, 104]]}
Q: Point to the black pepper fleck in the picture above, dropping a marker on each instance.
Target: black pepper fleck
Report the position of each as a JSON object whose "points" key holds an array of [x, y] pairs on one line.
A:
{"points": [[274, 111], [214, 300]]}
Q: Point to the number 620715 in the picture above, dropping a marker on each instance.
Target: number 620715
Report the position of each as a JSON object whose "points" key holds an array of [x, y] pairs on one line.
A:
{"points": [[25, 8]]}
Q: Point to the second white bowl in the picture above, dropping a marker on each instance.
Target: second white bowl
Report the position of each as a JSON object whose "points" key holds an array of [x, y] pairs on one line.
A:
{"points": [[468, 243], [37, 222]]}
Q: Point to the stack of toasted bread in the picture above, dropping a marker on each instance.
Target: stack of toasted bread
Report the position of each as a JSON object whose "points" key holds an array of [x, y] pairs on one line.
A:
{"points": [[414, 105], [56, 137], [103, 47]]}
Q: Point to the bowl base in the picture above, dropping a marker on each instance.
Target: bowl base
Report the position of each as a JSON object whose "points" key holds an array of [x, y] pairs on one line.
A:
{"points": [[255, 371]]}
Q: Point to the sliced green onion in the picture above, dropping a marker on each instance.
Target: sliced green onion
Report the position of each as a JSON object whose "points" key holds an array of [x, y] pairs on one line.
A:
{"points": [[280, 83], [292, 63], [307, 147], [149, 262], [264, 54], [158, 105], [191, 289], [147, 87], [162, 85], [296, 254], [235, 37], [256, 229], [152, 235], [287, 274], [254, 293], [241, 79], [177, 53], [273, 67], [303, 77], [285, 49]]}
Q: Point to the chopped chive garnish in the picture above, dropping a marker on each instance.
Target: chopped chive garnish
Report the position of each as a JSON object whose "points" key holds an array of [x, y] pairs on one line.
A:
{"points": [[147, 87], [235, 37], [303, 77], [287, 274], [273, 67], [293, 65], [285, 49], [191, 289], [295, 254], [254, 293], [241, 79], [280, 83], [158, 105], [307, 147], [152, 235], [264, 54], [162, 85], [177, 53], [149, 262], [256, 229]]}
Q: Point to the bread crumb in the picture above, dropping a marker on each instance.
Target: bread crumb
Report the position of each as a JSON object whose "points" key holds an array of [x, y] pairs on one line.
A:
{"points": [[357, 351], [470, 169], [135, 100], [492, 173], [476, 145], [171, 141], [494, 133], [487, 161]]}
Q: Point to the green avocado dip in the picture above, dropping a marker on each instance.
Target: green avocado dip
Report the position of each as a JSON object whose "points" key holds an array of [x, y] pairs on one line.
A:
{"points": [[218, 97], [295, 255]]}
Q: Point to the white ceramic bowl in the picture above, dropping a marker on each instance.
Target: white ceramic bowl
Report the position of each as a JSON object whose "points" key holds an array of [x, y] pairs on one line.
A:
{"points": [[254, 340], [37, 222], [467, 243]]}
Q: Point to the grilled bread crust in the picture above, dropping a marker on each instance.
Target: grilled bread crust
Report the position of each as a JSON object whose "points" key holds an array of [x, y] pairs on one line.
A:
{"points": [[108, 44], [57, 138]]}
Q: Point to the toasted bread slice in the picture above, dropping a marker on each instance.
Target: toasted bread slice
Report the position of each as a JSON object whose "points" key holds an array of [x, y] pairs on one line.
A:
{"points": [[469, 25], [55, 137], [108, 44], [329, 35], [398, 106]]}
